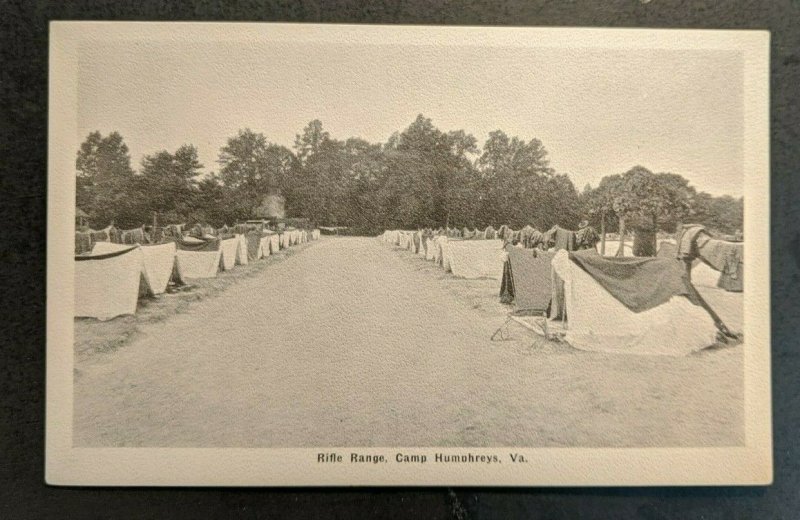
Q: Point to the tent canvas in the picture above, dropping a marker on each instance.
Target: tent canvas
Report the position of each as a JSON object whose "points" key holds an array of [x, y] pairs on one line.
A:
{"points": [[728, 305], [438, 249], [430, 248], [422, 246], [229, 248], [704, 276], [109, 284], [599, 322], [445, 256], [476, 259]]}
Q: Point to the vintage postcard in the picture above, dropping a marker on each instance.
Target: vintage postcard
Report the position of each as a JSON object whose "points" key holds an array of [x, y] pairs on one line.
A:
{"points": [[312, 255]]}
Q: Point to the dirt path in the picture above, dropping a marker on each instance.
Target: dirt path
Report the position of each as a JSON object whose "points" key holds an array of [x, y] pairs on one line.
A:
{"points": [[352, 343]]}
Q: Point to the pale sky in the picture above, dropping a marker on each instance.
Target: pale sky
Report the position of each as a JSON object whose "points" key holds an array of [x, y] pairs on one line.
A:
{"points": [[597, 112]]}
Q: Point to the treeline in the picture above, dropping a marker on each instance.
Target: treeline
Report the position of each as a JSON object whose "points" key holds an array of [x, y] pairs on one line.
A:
{"points": [[420, 177]]}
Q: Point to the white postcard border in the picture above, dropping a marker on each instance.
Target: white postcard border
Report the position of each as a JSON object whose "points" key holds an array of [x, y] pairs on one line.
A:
{"points": [[66, 465]]}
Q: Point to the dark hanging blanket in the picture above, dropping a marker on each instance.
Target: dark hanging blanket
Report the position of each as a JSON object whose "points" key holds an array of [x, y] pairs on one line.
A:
{"points": [[253, 242], [526, 279], [565, 239], [638, 283], [133, 236], [728, 258], [586, 238], [559, 238], [530, 237]]}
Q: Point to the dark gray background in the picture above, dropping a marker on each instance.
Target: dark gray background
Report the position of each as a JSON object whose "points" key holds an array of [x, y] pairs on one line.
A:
{"points": [[23, 125]]}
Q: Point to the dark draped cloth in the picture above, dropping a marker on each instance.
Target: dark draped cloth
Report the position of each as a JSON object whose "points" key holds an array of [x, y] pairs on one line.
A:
{"points": [[586, 238], [526, 279], [198, 244], [559, 238], [253, 243], [638, 283]]}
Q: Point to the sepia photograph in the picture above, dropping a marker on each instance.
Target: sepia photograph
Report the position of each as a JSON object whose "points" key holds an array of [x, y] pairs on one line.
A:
{"points": [[376, 255]]}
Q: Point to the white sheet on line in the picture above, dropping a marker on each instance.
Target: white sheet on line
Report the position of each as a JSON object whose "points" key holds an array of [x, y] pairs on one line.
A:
{"points": [[229, 248], [199, 264], [241, 251], [108, 288], [159, 261], [264, 246]]}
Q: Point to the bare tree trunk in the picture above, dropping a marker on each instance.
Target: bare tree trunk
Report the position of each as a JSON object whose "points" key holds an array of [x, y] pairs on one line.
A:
{"points": [[621, 250], [655, 235], [603, 233]]}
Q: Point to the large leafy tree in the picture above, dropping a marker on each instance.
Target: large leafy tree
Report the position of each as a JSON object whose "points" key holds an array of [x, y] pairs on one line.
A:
{"points": [[311, 140], [518, 187], [168, 185], [358, 206], [647, 202], [104, 179], [214, 202], [598, 205], [252, 168], [428, 176], [724, 214], [318, 187]]}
